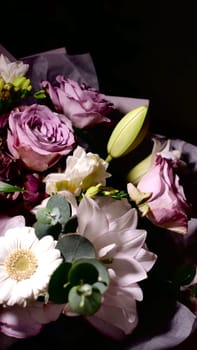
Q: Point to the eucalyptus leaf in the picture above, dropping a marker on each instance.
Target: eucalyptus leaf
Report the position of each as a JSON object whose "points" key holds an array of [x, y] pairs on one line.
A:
{"points": [[43, 216], [42, 230], [83, 272], [84, 304], [71, 225], [103, 276], [64, 208], [75, 247], [58, 286], [5, 187]]}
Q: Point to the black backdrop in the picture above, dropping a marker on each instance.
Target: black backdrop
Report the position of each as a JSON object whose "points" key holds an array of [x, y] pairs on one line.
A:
{"points": [[144, 49]]}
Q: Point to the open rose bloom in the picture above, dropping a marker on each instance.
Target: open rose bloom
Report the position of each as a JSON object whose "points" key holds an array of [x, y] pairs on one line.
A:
{"points": [[38, 136], [83, 105]]}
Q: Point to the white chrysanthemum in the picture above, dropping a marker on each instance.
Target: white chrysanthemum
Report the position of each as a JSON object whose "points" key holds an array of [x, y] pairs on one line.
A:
{"points": [[26, 265], [11, 70], [111, 226], [82, 171]]}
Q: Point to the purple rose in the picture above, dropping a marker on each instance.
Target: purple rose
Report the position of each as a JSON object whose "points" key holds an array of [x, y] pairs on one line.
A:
{"points": [[38, 136], [160, 197], [83, 105]]}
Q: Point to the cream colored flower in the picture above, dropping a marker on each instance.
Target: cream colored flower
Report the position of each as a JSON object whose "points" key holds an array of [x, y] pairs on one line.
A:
{"points": [[11, 70], [82, 171], [26, 265]]}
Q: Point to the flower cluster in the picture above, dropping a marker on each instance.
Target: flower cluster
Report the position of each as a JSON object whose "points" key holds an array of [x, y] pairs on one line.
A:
{"points": [[71, 241]]}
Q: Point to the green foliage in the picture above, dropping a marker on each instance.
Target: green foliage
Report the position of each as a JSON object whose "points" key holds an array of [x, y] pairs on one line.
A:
{"points": [[81, 279], [52, 219], [85, 300], [59, 286], [7, 188], [81, 283], [42, 230], [74, 247]]}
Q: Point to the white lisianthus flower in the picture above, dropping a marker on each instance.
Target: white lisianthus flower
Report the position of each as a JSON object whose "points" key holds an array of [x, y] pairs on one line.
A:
{"points": [[9, 71], [82, 171], [111, 226], [26, 265]]}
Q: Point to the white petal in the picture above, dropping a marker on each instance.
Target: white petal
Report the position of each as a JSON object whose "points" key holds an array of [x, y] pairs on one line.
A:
{"points": [[128, 270], [146, 258], [44, 245], [88, 209], [6, 288]]}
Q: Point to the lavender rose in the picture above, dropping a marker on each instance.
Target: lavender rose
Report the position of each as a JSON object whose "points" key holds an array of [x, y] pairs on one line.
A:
{"points": [[83, 105], [160, 196], [38, 136]]}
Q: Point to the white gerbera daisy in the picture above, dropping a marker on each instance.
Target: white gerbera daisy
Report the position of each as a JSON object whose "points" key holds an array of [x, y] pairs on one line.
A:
{"points": [[26, 265]]}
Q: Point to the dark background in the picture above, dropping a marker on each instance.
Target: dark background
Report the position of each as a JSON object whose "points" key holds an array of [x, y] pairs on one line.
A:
{"points": [[141, 49]]}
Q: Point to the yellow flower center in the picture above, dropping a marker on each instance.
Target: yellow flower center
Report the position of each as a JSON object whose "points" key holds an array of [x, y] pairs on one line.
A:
{"points": [[21, 264]]}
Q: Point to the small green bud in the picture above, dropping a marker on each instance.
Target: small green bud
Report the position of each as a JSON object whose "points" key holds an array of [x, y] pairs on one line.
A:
{"points": [[93, 190], [2, 83], [22, 83], [8, 86], [40, 94], [18, 82]]}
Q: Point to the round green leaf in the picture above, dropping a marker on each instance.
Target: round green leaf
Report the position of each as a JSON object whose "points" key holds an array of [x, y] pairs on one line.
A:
{"points": [[75, 247], [70, 225], [64, 208], [103, 277], [42, 230], [59, 286], [43, 215], [84, 303], [82, 272]]}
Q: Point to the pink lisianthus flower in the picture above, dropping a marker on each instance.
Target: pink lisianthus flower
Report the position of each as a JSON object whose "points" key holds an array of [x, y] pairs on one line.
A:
{"points": [[38, 136], [83, 105], [117, 242], [160, 196]]}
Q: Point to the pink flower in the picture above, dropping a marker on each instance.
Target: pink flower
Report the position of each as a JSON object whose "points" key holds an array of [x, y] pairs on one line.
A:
{"points": [[7, 222], [83, 105], [20, 322], [38, 136], [160, 196], [113, 233]]}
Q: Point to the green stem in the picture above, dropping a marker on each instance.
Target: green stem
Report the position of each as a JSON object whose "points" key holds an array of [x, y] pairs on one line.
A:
{"points": [[109, 158]]}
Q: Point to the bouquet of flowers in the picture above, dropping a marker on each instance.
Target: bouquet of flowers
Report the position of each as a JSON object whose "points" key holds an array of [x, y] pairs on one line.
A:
{"points": [[88, 196]]}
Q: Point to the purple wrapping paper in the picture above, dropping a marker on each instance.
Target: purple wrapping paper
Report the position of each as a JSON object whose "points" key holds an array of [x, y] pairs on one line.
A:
{"points": [[74, 333]]}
